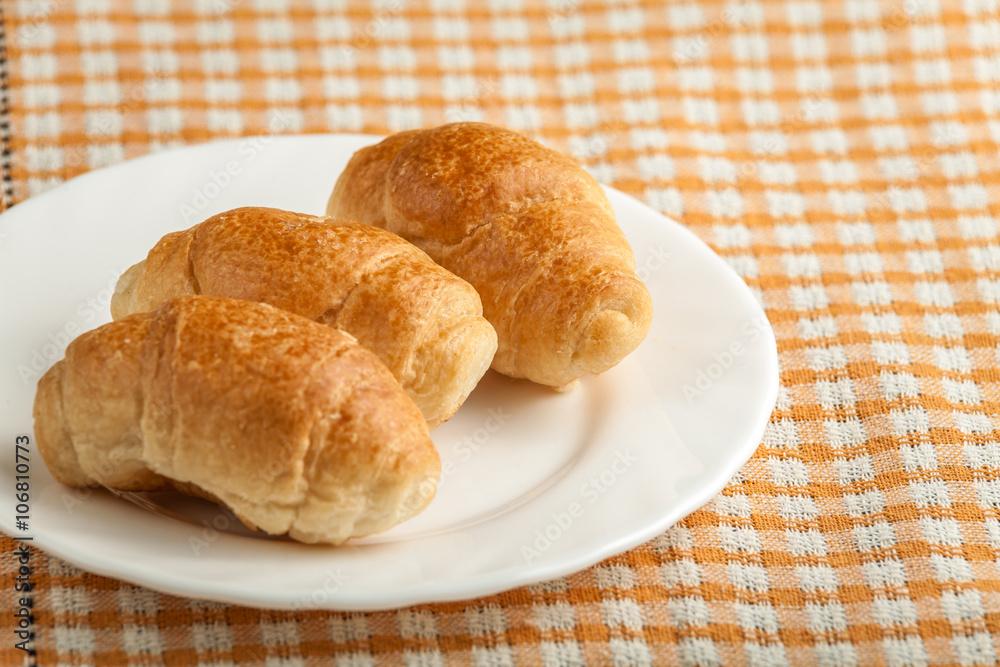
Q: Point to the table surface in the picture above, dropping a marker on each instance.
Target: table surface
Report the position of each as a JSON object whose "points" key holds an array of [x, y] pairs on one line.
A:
{"points": [[842, 157]]}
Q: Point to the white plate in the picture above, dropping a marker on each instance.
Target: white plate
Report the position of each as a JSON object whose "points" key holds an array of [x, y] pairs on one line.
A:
{"points": [[535, 484]]}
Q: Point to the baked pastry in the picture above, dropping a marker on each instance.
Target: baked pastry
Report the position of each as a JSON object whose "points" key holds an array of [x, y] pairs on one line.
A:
{"points": [[423, 322], [529, 229], [289, 423]]}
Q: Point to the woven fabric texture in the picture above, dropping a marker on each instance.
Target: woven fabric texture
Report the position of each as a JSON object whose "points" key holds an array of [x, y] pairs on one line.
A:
{"points": [[843, 157]]}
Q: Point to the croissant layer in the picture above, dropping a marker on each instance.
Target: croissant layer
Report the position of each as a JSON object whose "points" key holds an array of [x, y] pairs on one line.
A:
{"points": [[291, 424], [530, 229], [422, 321]]}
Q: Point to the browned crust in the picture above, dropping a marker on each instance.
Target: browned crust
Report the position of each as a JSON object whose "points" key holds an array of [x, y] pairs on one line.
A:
{"points": [[530, 229], [290, 423], [422, 321]]}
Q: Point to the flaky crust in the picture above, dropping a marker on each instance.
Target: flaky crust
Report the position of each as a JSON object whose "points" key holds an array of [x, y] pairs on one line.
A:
{"points": [[529, 229], [87, 411], [422, 321], [291, 424]]}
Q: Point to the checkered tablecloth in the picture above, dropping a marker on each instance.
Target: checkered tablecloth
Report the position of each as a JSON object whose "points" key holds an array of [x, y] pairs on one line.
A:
{"points": [[841, 156]]}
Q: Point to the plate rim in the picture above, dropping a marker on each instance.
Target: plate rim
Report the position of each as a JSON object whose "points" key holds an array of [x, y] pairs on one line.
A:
{"points": [[173, 583]]}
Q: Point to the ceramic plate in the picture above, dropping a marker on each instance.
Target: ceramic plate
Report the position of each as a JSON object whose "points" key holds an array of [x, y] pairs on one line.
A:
{"points": [[535, 484]]}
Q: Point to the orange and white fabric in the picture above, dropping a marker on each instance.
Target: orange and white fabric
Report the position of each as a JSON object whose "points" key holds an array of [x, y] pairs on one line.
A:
{"points": [[842, 156]]}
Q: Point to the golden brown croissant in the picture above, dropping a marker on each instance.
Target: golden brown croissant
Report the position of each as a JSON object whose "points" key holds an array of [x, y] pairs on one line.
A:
{"points": [[423, 322], [529, 229], [290, 423]]}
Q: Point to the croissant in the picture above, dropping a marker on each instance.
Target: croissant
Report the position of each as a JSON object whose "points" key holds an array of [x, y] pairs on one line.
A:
{"points": [[529, 229], [423, 322], [290, 423]]}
